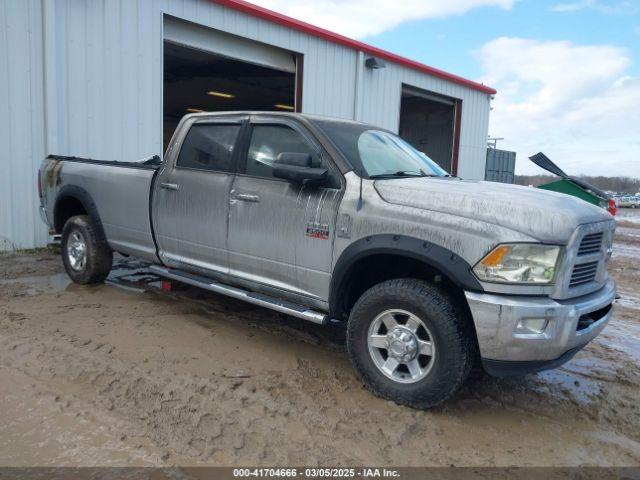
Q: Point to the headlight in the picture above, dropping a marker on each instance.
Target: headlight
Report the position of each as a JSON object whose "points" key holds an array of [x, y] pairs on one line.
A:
{"points": [[519, 263]]}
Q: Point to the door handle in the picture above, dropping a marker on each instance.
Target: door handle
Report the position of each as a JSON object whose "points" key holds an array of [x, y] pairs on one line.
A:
{"points": [[246, 197], [170, 186]]}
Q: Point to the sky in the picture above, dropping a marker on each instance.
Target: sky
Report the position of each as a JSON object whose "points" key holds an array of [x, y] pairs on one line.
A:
{"points": [[567, 71]]}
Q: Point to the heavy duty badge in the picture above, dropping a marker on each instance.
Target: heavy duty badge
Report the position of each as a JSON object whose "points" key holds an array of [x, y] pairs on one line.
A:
{"points": [[318, 230]]}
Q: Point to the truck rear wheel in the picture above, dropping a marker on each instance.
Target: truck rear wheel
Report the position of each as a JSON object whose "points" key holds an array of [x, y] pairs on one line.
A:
{"points": [[408, 343], [86, 256]]}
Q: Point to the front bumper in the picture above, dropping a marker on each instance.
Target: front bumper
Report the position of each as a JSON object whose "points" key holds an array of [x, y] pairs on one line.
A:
{"points": [[571, 324]]}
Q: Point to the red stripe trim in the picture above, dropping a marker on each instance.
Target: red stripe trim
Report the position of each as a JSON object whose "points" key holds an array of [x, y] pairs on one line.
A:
{"points": [[301, 26]]}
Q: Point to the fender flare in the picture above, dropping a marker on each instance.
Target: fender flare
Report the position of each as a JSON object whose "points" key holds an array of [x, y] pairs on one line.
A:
{"points": [[84, 197], [451, 265]]}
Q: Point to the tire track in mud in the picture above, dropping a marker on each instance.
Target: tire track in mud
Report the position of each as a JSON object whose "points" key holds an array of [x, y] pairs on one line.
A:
{"points": [[221, 417], [309, 411], [232, 417]]}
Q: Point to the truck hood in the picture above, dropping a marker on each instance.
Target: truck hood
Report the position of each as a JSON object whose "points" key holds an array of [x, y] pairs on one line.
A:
{"points": [[545, 216]]}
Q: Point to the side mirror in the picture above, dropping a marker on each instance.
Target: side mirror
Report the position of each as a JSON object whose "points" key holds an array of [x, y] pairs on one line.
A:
{"points": [[296, 168]]}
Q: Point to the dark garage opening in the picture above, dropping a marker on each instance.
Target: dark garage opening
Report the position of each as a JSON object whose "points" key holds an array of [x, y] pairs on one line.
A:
{"points": [[197, 80], [428, 122]]}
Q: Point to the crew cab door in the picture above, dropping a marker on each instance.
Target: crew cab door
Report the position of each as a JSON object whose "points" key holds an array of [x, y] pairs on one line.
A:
{"points": [[190, 206], [281, 234]]}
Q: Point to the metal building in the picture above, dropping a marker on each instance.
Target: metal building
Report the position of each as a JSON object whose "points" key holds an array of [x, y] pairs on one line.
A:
{"points": [[109, 79]]}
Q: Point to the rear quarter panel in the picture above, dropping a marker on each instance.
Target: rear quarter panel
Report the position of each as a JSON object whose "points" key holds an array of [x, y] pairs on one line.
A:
{"points": [[120, 195]]}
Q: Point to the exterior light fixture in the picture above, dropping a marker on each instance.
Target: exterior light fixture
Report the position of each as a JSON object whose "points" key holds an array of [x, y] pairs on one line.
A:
{"points": [[220, 94], [374, 63], [282, 106]]}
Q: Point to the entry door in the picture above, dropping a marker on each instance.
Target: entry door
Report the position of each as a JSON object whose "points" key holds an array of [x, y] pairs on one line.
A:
{"points": [[191, 203], [271, 220]]}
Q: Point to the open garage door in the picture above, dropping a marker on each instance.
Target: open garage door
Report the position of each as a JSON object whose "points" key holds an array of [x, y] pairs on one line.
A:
{"points": [[209, 70], [429, 122]]}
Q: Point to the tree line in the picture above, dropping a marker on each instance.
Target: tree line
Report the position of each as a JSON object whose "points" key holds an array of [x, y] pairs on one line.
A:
{"points": [[612, 184]]}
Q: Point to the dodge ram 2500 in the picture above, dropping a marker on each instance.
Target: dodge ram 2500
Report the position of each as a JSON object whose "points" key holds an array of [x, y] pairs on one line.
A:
{"points": [[331, 220]]}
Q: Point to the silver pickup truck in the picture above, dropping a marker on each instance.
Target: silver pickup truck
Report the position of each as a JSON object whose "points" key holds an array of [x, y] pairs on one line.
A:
{"points": [[337, 221]]}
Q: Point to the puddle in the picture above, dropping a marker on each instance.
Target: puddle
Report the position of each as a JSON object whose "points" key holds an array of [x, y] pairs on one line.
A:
{"points": [[41, 284], [628, 218], [588, 368], [628, 301], [123, 286], [621, 250], [131, 275], [571, 378], [627, 232], [623, 337], [128, 266]]}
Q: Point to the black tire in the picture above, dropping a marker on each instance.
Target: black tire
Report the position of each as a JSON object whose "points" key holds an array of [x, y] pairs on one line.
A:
{"points": [[450, 330], [98, 257]]}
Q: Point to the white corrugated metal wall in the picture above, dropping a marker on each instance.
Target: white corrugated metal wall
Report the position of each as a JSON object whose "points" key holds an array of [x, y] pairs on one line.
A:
{"points": [[101, 66], [21, 123], [381, 106]]}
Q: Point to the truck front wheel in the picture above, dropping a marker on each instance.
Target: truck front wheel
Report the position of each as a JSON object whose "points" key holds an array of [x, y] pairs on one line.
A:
{"points": [[409, 344], [86, 257]]}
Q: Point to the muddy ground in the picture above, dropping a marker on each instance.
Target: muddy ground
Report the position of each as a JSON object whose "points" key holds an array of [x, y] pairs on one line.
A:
{"points": [[125, 374]]}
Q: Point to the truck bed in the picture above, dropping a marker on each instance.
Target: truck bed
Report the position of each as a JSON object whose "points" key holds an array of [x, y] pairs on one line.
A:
{"points": [[118, 193]]}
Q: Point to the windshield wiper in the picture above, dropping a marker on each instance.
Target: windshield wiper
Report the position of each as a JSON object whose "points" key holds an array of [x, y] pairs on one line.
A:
{"points": [[403, 173]]}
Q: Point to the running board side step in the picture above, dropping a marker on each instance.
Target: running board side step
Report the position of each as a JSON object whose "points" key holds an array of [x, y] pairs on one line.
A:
{"points": [[281, 306]]}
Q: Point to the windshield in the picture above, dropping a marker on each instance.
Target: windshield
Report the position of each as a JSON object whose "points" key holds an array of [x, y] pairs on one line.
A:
{"points": [[379, 153], [383, 153]]}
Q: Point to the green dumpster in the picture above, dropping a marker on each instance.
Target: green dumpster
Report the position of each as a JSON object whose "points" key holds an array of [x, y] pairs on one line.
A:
{"points": [[570, 188], [573, 186]]}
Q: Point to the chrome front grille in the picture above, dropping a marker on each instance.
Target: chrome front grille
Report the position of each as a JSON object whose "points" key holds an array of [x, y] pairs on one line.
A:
{"points": [[590, 244], [584, 267], [583, 273]]}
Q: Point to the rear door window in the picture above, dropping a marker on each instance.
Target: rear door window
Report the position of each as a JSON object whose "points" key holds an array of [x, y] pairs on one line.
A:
{"points": [[209, 147]]}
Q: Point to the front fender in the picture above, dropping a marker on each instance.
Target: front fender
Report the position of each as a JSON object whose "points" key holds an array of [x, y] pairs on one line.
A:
{"points": [[451, 265]]}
